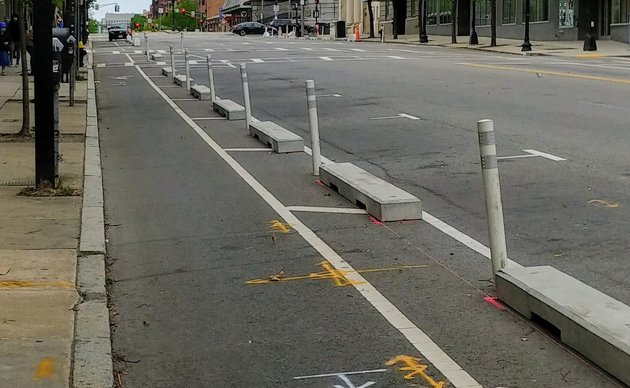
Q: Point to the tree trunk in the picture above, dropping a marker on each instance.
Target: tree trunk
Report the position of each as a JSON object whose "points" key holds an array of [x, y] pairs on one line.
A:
{"points": [[26, 100], [371, 14]]}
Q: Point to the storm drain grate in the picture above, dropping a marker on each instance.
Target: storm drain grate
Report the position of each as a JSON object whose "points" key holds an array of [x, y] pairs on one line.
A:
{"points": [[18, 182]]}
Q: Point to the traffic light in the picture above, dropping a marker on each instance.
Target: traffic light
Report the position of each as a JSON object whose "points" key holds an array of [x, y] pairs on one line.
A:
{"points": [[117, 8], [96, 6], [137, 25], [182, 11]]}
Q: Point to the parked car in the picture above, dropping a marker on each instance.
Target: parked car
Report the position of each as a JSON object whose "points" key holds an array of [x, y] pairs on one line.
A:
{"points": [[118, 31], [249, 28]]}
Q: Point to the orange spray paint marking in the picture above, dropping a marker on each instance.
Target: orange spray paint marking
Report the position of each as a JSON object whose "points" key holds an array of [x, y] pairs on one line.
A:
{"points": [[280, 226], [338, 277], [45, 369], [413, 365], [493, 301], [30, 284], [375, 221]]}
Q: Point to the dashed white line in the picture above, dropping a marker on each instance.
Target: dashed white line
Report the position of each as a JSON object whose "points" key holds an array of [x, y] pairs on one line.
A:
{"points": [[326, 58], [281, 49], [116, 52], [394, 57], [429, 349], [257, 60], [248, 150]]}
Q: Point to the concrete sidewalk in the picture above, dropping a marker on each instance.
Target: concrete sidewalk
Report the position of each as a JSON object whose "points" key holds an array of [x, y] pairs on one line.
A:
{"points": [[572, 49], [39, 237]]}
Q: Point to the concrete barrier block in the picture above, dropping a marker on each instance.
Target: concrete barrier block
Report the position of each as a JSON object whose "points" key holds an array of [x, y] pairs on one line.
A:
{"points": [[166, 71], [229, 109], [278, 138], [156, 56], [180, 80], [200, 92], [589, 321], [380, 199]]}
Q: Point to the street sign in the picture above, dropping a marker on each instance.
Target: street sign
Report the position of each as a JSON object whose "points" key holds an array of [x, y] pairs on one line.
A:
{"points": [[302, 2], [243, 14], [57, 45], [276, 8], [149, 20], [160, 11], [192, 14]]}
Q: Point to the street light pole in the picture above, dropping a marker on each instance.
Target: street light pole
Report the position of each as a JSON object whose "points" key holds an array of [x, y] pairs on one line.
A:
{"points": [[45, 158], [526, 46], [493, 21], [473, 35], [423, 21]]}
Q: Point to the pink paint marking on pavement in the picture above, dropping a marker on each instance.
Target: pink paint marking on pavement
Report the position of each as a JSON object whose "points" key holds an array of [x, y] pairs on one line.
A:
{"points": [[493, 301], [375, 221], [319, 183]]}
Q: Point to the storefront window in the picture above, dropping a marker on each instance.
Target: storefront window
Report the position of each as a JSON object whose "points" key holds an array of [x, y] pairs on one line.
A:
{"points": [[567, 13], [482, 12], [509, 11], [620, 11], [439, 11], [539, 10]]}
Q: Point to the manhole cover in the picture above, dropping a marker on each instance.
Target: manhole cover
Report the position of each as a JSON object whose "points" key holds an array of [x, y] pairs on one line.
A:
{"points": [[10, 120], [18, 182]]}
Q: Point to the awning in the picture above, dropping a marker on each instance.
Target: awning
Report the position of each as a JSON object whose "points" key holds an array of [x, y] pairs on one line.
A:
{"points": [[230, 6]]}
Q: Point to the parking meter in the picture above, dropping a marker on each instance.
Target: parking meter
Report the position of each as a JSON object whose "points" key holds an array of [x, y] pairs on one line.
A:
{"points": [[57, 62], [69, 50]]}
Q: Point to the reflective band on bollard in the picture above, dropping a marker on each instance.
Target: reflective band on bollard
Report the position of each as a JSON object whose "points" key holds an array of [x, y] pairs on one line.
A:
{"points": [[187, 70], [313, 122], [211, 79], [248, 108], [492, 191], [172, 64]]}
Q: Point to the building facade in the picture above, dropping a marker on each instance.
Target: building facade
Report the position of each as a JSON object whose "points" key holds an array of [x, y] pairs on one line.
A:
{"points": [[549, 19], [116, 18]]}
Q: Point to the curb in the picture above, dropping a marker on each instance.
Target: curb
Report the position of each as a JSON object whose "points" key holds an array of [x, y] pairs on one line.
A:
{"points": [[92, 350], [447, 45]]}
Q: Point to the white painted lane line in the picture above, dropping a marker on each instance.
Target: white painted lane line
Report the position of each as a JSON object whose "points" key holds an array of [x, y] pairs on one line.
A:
{"points": [[116, 52], [326, 58], [307, 48], [336, 95], [128, 64], [101, 65], [516, 157], [461, 237], [309, 152], [130, 60], [330, 49], [227, 62], [248, 149], [193, 62], [545, 155], [398, 116], [341, 373], [160, 63], [209, 118], [137, 52], [312, 209], [394, 57], [169, 86], [429, 349], [184, 99], [359, 50], [208, 50], [257, 60], [281, 49]]}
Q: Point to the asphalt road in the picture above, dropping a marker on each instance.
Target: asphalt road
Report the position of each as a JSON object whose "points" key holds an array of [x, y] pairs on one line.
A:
{"points": [[186, 231]]}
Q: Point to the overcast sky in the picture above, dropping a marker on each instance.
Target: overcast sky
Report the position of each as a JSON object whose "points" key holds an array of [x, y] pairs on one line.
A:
{"points": [[126, 6]]}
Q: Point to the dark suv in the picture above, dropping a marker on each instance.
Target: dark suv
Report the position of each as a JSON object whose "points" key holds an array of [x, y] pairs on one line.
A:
{"points": [[117, 31]]}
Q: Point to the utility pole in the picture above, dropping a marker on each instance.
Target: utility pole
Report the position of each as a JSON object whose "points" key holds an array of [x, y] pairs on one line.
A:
{"points": [[42, 66]]}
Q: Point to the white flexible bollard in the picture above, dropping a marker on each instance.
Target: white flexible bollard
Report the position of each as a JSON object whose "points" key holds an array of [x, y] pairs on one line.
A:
{"points": [[492, 192], [313, 122], [211, 80], [248, 108]]}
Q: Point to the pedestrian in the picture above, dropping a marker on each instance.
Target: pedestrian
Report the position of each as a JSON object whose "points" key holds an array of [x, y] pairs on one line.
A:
{"points": [[14, 33], [5, 46]]}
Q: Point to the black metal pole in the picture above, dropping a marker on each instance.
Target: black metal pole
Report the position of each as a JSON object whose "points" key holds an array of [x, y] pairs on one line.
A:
{"points": [[526, 46], [423, 33], [473, 34], [454, 21], [493, 21], [44, 94]]}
